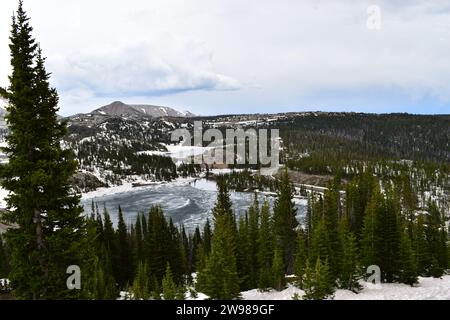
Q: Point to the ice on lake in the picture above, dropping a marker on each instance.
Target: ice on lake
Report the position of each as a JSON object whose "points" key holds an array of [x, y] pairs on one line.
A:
{"points": [[189, 203]]}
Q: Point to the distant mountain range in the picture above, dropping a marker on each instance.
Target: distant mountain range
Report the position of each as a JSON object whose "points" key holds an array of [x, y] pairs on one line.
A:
{"points": [[116, 109], [119, 108]]}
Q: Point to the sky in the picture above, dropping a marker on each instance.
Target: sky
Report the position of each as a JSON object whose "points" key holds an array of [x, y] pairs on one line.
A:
{"points": [[233, 56]]}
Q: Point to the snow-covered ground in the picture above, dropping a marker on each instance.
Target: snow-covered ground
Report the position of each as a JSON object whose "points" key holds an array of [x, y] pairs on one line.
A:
{"points": [[427, 289], [128, 186], [3, 194]]}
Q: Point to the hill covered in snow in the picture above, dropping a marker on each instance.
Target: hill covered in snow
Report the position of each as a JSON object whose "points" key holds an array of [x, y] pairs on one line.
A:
{"points": [[119, 108]]}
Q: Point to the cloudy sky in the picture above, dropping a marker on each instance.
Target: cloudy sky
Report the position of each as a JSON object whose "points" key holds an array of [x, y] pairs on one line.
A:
{"points": [[234, 56]]}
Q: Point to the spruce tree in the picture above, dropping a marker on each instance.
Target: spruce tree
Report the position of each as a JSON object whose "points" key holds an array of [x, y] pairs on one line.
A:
{"points": [[407, 264], [219, 279], [318, 283], [285, 221], [278, 275], [141, 288], [207, 236], [196, 243], [320, 245], [331, 219], [125, 261], [243, 252], [381, 235], [43, 205], [436, 237], [420, 245], [169, 288], [301, 257], [324, 281], [253, 229], [349, 270], [369, 238], [265, 248], [138, 254]]}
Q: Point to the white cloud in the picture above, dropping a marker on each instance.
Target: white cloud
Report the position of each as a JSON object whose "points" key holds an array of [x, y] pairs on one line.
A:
{"points": [[151, 68], [269, 54]]}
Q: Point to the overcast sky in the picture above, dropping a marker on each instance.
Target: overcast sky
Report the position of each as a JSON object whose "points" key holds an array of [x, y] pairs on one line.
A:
{"points": [[243, 56]]}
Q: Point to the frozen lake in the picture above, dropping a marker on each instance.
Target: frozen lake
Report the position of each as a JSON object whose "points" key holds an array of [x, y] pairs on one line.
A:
{"points": [[188, 203]]}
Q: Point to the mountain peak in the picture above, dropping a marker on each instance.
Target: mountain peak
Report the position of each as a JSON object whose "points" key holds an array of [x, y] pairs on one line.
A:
{"points": [[118, 108]]}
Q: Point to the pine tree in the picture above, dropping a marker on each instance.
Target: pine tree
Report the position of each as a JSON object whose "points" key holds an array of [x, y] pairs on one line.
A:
{"points": [[141, 288], [436, 237], [309, 282], [169, 287], [381, 235], [138, 254], [421, 251], [265, 248], [243, 256], [301, 257], [369, 238], [278, 275], [285, 221], [196, 243], [320, 245], [207, 236], [158, 244], [50, 226], [324, 281], [349, 270], [408, 268], [331, 220], [253, 229], [318, 283], [219, 279], [125, 266]]}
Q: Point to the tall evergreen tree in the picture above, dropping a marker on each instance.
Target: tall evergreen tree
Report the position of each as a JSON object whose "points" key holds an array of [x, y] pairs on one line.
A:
{"points": [[285, 221], [125, 261], [50, 226], [318, 283], [265, 248], [420, 245], [243, 252], [141, 287], [407, 264], [138, 254], [381, 236], [278, 275], [219, 279], [301, 257], [436, 237], [349, 270], [331, 219], [320, 245], [169, 287], [253, 229], [207, 236]]}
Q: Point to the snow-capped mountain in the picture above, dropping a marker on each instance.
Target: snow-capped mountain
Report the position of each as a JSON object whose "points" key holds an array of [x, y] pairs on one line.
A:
{"points": [[119, 108]]}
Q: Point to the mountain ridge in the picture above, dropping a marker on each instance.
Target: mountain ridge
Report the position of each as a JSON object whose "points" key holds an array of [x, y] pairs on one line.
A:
{"points": [[118, 108]]}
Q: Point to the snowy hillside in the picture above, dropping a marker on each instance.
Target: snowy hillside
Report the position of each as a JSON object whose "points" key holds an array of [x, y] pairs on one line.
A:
{"points": [[427, 289]]}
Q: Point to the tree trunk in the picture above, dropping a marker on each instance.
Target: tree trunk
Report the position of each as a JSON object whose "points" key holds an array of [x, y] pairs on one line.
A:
{"points": [[37, 219]]}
